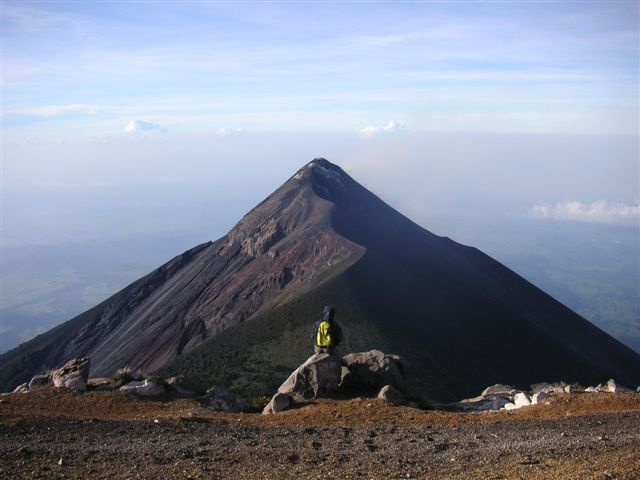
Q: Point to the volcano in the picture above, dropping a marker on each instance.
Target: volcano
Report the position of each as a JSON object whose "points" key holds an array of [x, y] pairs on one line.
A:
{"points": [[238, 311]]}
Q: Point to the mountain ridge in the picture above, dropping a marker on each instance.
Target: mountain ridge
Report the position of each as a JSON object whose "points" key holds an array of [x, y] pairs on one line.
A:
{"points": [[442, 305]]}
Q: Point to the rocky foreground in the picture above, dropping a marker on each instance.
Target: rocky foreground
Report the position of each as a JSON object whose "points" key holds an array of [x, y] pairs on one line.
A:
{"points": [[57, 433]]}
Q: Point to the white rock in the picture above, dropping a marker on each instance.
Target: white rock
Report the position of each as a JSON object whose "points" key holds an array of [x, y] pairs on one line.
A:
{"points": [[510, 406], [390, 394], [614, 387], [591, 390], [538, 397], [521, 399]]}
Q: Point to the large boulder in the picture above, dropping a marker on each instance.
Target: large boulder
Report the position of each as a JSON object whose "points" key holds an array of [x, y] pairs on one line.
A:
{"points": [[372, 370], [144, 388], [319, 375], [72, 375], [278, 403]]}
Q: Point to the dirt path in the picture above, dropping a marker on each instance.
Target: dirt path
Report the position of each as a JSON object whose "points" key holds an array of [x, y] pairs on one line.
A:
{"points": [[358, 439]]}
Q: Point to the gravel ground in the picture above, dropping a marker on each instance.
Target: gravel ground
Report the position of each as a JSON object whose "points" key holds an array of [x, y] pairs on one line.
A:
{"points": [[470, 446]]}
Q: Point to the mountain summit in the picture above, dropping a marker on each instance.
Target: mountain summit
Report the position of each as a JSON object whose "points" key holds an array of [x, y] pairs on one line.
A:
{"points": [[238, 310]]}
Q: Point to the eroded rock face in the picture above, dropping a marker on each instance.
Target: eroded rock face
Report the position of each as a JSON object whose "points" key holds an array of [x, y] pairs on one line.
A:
{"points": [[372, 370], [278, 403], [72, 375], [319, 375]]}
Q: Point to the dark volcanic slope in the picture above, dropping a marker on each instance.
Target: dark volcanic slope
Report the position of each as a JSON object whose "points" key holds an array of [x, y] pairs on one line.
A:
{"points": [[282, 248], [462, 319]]}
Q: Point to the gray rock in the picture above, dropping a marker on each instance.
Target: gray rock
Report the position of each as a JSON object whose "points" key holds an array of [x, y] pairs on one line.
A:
{"points": [[481, 403], [319, 375], [538, 397], [389, 394], [24, 388], [278, 403], [499, 390], [541, 387], [39, 381], [144, 388], [372, 370], [614, 387], [72, 375], [569, 389]]}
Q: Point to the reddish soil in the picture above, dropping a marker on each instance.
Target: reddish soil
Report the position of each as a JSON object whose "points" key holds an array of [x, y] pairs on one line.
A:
{"points": [[112, 435]]}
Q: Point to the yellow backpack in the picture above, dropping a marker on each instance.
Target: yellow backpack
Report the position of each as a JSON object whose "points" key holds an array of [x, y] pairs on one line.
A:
{"points": [[323, 336]]}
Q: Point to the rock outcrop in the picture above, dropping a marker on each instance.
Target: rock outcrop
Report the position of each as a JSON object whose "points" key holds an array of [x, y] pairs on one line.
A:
{"points": [[72, 375], [372, 370], [317, 376]]}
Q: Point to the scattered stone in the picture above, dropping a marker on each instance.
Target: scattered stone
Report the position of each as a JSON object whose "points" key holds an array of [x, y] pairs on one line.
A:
{"points": [[521, 399], [279, 402], [591, 390], [510, 406], [145, 388], [541, 387], [61, 462], [24, 388], [538, 397], [72, 375], [39, 381], [614, 387], [569, 389], [389, 394], [317, 376], [372, 370]]}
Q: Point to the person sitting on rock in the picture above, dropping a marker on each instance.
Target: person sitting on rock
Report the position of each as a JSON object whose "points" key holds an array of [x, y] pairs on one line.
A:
{"points": [[327, 334]]}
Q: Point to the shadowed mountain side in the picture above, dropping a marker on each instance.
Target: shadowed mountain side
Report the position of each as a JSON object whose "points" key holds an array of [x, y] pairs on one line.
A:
{"points": [[459, 317]]}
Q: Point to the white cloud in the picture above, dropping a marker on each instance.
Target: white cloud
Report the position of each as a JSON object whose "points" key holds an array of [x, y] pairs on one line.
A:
{"points": [[601, 211], [372, 130], [141, 126], [228, 132]]}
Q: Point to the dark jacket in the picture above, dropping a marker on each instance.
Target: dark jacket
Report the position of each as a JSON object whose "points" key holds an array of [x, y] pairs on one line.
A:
{"points": [[336, 331]]}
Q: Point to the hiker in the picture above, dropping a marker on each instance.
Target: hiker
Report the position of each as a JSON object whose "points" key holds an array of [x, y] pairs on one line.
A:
{"points": [[327, 334]]}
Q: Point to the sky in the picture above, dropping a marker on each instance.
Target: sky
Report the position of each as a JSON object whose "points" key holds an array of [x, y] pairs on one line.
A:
{"points": [[531, 107], [134, 130]]}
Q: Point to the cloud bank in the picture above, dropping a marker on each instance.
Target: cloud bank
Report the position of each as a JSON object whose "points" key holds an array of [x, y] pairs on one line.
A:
{"points": [[601, 211], [372, 130], [140, 126]]}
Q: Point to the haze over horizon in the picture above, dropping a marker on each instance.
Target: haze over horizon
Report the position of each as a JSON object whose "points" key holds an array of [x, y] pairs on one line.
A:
{"points": [[132, 131]]}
